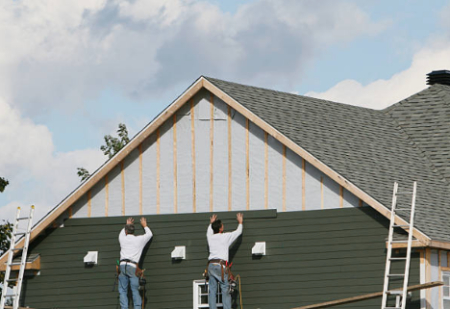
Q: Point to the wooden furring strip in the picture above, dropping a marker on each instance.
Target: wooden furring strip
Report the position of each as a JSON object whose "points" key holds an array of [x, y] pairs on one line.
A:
{"points": [[122, 173], [140, 180], [428, 274], [89, 208], [303, 184], [440, 278], [106, 195], [175, 166], [284, 178], [247, 163], [266, 171], [194, 190], [341, 195], [230, 162], [211, 156], [70, 212], [158, 171]]}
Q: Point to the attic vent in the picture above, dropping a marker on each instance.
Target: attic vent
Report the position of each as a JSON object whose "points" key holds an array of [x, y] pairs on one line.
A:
{"points": [[439, 77]]}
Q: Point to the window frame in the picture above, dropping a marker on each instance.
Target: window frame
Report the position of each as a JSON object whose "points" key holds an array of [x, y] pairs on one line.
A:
{"points": [[196, 294]]}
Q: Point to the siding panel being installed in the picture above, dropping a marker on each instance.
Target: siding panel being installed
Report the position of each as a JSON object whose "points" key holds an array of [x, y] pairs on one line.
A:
{"points": [[312, 257]]}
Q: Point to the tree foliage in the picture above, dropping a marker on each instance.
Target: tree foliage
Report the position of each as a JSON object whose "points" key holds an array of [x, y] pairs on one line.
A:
{"points": [[112, 146], [115, 144], [83, 173], [5, 238], [3, 183]]}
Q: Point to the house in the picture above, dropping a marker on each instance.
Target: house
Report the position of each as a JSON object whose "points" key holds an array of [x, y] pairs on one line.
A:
{"points": [[313, 178]]}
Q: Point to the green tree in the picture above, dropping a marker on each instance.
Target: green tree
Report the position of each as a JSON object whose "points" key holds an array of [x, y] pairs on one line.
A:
{"points": [[3, 183], [112, 146], [5, 238]]}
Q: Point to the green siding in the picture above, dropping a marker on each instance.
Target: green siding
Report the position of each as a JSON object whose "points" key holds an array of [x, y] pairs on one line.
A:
{"points": [[312, 257]]}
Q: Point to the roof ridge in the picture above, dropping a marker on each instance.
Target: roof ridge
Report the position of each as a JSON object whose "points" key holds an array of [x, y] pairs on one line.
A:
{"points": [[291, 94]]}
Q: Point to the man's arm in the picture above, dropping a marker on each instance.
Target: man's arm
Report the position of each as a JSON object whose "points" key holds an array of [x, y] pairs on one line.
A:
{"points": [[122, 232], [235, 234], [210, 231], [148, 233]]}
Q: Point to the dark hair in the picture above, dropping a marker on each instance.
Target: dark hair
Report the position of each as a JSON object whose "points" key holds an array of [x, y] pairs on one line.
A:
{"points": [[216, 225], [129, 228]]}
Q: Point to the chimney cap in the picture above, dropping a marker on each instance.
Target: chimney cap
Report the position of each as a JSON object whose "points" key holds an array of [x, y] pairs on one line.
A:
{"points": [[439, 77]]}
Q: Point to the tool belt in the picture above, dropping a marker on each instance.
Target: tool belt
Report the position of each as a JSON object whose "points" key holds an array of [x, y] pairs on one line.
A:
{"points": [[139, 272], [222, 263]]}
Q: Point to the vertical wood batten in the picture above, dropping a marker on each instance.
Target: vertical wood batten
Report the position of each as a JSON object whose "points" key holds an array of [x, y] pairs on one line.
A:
{"points": [[247, 163], [140, 179], [266, 170], [194, 190], [70, 212], [106, 195], [158, 167], [89, 210], [341, 196], [440, 278], [428, 275], [175, 166], [284, 178], [230, 162], [303, 184], [122, 173], [211, 154]]}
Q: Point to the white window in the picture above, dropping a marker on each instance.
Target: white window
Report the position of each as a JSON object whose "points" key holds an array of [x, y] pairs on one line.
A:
{"points": [[201, 295], [446, 288]]}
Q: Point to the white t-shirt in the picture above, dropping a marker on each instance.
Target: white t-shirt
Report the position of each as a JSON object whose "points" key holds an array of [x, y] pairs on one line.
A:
{"points": [[131, 246], [220, 242]]}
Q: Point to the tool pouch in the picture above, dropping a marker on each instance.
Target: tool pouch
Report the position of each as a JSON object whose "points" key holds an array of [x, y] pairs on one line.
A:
{"points": [[139, 272], [205, 274]]}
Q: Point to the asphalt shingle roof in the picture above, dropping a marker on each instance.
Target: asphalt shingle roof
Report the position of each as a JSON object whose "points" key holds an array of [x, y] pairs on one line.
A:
{"points": [[407, 142]]}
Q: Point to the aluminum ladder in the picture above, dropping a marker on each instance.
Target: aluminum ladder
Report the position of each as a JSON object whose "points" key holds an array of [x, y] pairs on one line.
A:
{"points": [[16, 234], [401, 294]]}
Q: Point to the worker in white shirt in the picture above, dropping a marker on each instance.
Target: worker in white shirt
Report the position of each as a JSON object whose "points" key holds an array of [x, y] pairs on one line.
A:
{"points": [[219, 243], [130, 253]]}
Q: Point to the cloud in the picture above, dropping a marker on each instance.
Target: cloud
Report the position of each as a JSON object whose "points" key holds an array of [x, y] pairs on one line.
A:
{"points": [[37, 174], [383, 93], [65, 53]]}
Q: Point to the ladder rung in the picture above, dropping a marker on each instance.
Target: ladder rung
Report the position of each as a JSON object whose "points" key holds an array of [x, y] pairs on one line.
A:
{"points": [[399, 241], [396, 275], [17, 249], [23, 218], [10, 295], [20, 233], [398, 259], [11, 280], [402, 209], [14, 264], [395, 292]]}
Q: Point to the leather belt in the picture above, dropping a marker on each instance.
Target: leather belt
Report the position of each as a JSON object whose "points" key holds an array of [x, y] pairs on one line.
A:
{"points": [[222, 263]]}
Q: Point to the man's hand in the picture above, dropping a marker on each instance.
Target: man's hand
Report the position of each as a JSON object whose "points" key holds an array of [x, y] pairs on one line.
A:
{"points": [[240, 218], [212, 218], [143, 222], [130, 221]]}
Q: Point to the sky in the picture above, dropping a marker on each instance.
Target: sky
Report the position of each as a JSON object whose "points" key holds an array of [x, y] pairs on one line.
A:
{"points": [[71, 71]]}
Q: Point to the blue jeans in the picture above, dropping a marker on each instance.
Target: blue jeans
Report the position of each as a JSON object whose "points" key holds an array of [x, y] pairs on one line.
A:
{"points": [[128, 277], [215, 278]]}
